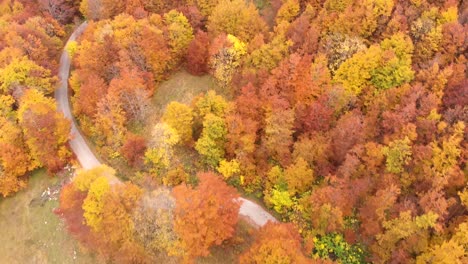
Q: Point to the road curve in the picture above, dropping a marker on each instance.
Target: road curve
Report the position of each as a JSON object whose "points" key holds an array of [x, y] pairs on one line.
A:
{"points": [[78, 145], [255, 213]]}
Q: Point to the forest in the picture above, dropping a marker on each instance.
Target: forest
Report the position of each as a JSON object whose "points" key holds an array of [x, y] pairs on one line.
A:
{"points": [[346, 120]]}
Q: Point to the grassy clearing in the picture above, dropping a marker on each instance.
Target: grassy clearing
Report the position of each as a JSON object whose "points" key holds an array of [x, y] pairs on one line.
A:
{"points": [[31, 233], [183, 87]]}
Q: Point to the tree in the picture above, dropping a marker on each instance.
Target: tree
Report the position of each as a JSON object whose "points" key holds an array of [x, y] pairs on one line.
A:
{"points": [[279, 199], [288, 11], [401, 228], [133, 93], [398, 154], [197, 54], [109, 124], [206, 6], [268, 55], [278, 134], [346, 134], [154, 225], [13, 164], [46, 131], [211, 143], [87, 93], [84, 178], [226, 53], [94, 205], [116, 227], [211, 103], [236, 17], [15, 157], [61, 10], [228, 168], [384, 66], [299, 177], [334, 246], [156, 52], [180, 118], [205, 215], [160, 148], [275, 243], [23, 73], [71, 211], [134, 149], [180, 34]]}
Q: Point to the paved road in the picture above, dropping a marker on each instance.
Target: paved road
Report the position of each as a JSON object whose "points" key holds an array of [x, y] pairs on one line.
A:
{"points": [[88, 160], [78, 145]]}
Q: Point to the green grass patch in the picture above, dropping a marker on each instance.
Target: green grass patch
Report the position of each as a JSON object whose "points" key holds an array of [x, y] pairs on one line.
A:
{"points": [[31, 232], [183, 87]]}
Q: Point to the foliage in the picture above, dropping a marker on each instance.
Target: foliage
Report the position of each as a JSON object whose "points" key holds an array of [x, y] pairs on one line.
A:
{"points": [[228, 168], [160, 148], [179, 117], [237, 18], [280, 199], [93, 205], [211, 143], [180, 33], [205, 215], [334, 246], [398, 154], [275, 243], [226, 53], [24, 72], [211, 103], [385, 66], [46, 130], [299, 176]]}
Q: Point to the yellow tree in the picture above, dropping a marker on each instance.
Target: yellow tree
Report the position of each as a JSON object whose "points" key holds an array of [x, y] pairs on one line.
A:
{"points": [[383, 66], [226, 53], [180, 34], [46, 131], [236, 17], [22, 72], [159, 154], [299, 176], [211, 103], [93, 205], [180, 118]]}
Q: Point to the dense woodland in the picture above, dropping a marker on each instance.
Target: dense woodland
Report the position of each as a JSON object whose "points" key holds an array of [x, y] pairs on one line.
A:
{"points": [[346, 118]]}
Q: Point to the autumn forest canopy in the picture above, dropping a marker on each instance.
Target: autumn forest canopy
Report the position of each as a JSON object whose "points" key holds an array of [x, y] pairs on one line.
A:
{"points": [[345, 119]]}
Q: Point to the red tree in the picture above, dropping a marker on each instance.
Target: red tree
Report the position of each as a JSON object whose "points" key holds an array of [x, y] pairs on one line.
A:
{"points": [[197, 55]]}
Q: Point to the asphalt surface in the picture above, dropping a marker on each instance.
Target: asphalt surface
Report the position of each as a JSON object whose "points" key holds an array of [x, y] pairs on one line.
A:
{"points": [[255, 213]]}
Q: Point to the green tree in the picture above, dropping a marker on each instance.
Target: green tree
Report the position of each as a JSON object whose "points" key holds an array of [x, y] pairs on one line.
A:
{"points": [[398, 154], [211, 143], [180, 33], [211, 103], [384, 66]]}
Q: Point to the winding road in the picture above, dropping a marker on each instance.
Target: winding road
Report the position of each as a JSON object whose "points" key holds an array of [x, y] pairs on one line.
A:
{"points": [[255, 213]]}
